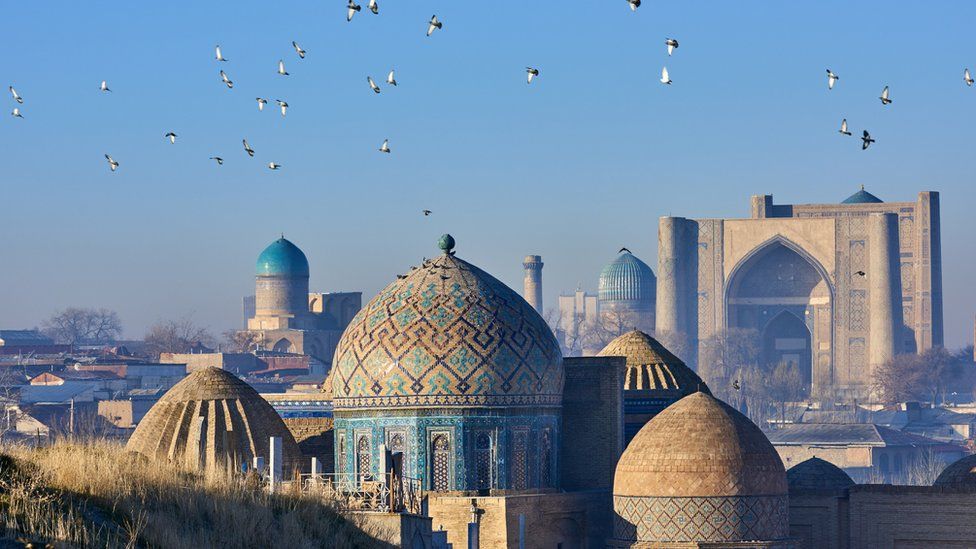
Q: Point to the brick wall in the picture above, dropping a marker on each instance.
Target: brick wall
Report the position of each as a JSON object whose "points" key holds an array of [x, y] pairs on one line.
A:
{"points": [[315, 439], [912, 516], [593, 422]]}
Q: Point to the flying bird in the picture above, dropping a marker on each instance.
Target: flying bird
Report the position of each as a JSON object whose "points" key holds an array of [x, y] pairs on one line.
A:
{"points": [[16, 113], [374, 7], [351, 10], [281, 68], [843, 127], [426, 212], [665, 79], [385, 147], [831, 79], [273, 166], [298, 49], [171, 136], [634, 4], [219, 160], [735, 384], [861, 273], [622, 250], [433, 24], [248, 149], [376, 89], [261, 103], [112, 164], [104, 86], [223, 76], [17, 97], [671, 43], [283, 105], [866, 140], [390, 79], [884, 97], [969, 79], [531, 73], [220, 56]]}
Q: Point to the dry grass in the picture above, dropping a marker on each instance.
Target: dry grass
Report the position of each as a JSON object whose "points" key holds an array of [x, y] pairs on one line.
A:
{"points": [[96, 495]]}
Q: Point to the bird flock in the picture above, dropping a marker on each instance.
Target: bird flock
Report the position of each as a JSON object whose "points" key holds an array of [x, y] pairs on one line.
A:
{"points": [[433, 25]]}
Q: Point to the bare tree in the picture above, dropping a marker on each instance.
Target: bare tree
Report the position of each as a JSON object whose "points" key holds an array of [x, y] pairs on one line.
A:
{"points": [[679, 343], [10, 411], [725, 353], [239, 341], [924, 468], [784, 385], [75, 325], [901, 378], [176, 336]]}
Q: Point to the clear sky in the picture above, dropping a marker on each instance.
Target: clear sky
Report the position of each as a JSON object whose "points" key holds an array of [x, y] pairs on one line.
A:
{"points": [[582, 161]]}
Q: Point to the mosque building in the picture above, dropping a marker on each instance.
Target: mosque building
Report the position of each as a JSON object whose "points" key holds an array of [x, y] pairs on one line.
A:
{"points": [[834, 289], [287, 317]]}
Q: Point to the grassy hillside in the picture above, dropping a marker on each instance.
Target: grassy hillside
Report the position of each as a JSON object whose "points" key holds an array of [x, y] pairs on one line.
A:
{"points": [[95, 494]]}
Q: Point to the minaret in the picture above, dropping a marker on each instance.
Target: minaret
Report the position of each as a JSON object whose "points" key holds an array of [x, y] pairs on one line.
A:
{"points": [[532, 291]]}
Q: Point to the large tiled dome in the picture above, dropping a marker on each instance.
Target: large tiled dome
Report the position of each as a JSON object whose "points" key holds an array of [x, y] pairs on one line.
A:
{"points": [[627, 280], [650, 366], [700, 471], [211, 418], [447, 334]]}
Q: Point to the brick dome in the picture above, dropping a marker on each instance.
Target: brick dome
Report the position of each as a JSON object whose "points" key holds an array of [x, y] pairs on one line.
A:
{"points": [[960, 473], [447, 334], [700, 471], [817, 474], [211, 418], [650, 366]]}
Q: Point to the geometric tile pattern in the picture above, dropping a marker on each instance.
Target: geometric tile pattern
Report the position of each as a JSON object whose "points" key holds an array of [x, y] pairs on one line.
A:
{"points": [[700, 519], [446, 335]]}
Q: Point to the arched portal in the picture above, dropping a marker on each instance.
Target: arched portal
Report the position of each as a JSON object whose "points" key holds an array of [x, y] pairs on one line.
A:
{"points": [[284, 346], [782, 296]]}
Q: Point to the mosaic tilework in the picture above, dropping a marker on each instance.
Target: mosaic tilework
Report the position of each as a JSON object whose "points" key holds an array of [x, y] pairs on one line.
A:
{"points": [[714, 519], [447, 334]]}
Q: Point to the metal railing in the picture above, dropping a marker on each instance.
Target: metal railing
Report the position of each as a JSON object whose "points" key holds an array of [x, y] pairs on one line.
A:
{"points": [[351, 492]]}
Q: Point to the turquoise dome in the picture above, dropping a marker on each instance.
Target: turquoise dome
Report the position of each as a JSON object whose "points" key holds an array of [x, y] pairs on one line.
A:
{"points": [[282, 258], [862, 197], [627, 279]]}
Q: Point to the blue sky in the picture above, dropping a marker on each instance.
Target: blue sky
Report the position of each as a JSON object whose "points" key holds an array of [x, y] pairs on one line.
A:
{"points": [[574, 166]]}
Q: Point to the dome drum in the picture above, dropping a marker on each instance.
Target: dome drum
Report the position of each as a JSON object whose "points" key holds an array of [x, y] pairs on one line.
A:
{"points": [[281, 281]]}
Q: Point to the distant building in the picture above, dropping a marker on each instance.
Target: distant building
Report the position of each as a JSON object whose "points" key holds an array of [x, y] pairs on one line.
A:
{"points": [[577, 313], [22, 342], [237, 363]]}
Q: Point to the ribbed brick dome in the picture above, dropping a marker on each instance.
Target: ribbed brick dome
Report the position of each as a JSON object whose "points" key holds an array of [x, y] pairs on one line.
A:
{"points": [[211, 418], [650, 366]]}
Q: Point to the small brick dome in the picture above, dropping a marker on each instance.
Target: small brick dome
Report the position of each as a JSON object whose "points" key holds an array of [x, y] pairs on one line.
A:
{"points": [[211, 418], [960, 473], [650, 366], [817, 474]]}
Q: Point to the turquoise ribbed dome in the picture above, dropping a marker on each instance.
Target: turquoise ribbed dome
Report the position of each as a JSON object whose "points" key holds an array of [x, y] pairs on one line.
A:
{"points": [[282, 258], [627, 278], [862, 197]]}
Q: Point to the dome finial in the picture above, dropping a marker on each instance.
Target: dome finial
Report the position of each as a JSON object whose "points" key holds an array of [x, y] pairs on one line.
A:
{"points": [[446, 243], [862, 186]]}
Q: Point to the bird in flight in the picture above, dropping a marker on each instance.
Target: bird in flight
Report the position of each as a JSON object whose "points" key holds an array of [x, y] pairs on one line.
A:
{"points": [[248, 149], [16, 113], [385, 147], [831, 79], [17, 97], [104, 86], [427, 212], [969, 79], [735, 384], [223, 76], [283, 105], [843, 127], [171, 136], [273, 166], [866, 140], [112, 164], [374, 7], [351, 9], [261, 103], [218, 160], [623, 250], [671, 43], [531, 73], [220, 56], [298, 49], [376, 89], [884, 96], [860, 273], [390, 79], [281, 68], [665, 79], [433, 24], [634, 4]]}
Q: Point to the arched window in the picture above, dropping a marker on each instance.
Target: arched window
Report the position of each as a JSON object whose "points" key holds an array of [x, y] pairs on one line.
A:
{"points": [[440, 462], [362, 458], [483, 460], [520, 444], [545, 454], [342, 453]]}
